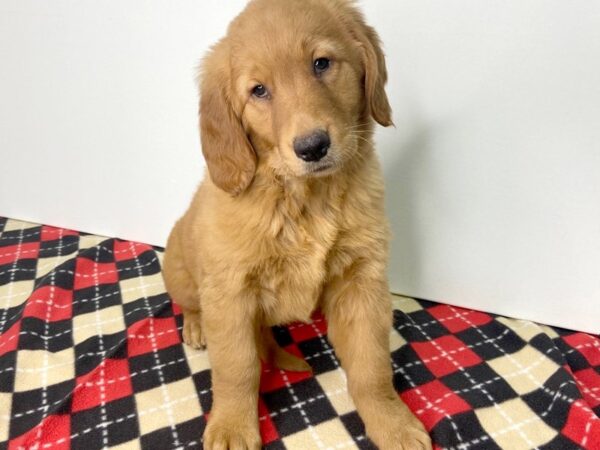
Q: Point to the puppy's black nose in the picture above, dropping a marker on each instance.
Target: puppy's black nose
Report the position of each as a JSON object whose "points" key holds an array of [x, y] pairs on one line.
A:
{"points": [[313, 146]]}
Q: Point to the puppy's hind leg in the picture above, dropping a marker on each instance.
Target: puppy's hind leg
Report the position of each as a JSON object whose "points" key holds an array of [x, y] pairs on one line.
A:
{"points": [[183, 290], [192, 330], [271, 352]]}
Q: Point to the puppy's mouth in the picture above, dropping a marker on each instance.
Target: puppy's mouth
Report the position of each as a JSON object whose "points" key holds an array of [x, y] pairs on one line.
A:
{"points": [[320, 168]]}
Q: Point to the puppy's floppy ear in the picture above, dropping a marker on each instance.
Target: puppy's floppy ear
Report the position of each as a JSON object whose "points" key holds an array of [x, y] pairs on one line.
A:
{"points": [[230, 158], [375, 79], [373, 62]]}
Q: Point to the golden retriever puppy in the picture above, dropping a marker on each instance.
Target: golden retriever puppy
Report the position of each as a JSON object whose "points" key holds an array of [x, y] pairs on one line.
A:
{"points": [[291, 217]]}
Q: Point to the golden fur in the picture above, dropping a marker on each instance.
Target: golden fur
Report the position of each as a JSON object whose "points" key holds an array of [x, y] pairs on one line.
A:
{"points": [[269, 238]]}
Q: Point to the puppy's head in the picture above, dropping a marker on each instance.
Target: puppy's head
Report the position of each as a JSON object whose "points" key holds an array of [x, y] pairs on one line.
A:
{"points": [[293, 86]]}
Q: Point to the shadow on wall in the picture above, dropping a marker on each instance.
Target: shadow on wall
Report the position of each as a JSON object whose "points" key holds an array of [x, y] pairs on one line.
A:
{"points": [[407, 170]]}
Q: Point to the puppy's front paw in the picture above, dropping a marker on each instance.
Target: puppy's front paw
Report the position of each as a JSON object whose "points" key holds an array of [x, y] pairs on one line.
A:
{"points": [[414, 438], [192, 330], [401, 437], [397, 429], [223, 434]]}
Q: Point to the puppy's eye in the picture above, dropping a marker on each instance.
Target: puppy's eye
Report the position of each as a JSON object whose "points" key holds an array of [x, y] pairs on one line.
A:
{"points": [[260, 91], [321, 65]]}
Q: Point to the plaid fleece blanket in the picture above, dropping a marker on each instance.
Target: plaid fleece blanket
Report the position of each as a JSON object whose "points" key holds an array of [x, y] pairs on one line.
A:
{"points": [[91, 357]]}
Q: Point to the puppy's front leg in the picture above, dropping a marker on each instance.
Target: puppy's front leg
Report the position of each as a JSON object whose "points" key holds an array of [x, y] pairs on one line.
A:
{"points": [[359, 314], [229, 324]]}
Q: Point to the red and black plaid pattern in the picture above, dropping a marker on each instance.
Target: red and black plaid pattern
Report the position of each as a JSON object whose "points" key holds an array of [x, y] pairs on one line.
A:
{"points": [[91, 357]]}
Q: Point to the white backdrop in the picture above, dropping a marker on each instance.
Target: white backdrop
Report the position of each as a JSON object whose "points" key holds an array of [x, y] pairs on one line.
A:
{"points": [[492, 172]]}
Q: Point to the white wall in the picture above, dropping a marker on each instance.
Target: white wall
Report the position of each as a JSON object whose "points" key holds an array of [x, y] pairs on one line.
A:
{"points": [[98, 111], [492, 171]]}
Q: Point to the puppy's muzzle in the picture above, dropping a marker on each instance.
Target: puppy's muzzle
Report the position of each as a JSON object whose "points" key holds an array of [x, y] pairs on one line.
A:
{"points": [[312, 147]]}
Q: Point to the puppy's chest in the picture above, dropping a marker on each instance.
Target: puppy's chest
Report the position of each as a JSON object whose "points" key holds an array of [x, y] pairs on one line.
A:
{"points": [[292, 275]]}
